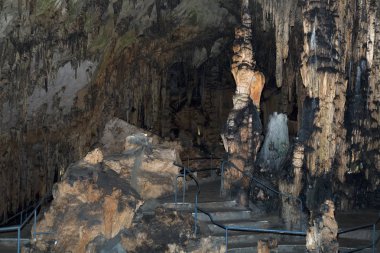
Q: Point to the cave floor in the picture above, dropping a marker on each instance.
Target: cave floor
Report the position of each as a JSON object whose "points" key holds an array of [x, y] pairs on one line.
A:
{"points": [[226, 211], [210, 199]]}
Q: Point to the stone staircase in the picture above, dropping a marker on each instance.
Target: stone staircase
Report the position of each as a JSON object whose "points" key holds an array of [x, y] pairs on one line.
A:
{"points": [[228, 212]]}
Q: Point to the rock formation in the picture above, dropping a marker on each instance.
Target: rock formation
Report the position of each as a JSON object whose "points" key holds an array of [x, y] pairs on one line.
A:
{"points": [[322, 235], [68, 67], [86, 206], [141, 158], [96, 206], [339, 41], [243, 124]]}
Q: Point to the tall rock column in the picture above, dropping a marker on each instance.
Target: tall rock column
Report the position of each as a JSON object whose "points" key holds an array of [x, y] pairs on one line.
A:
{"points": [[321, 71], [242, 137]]}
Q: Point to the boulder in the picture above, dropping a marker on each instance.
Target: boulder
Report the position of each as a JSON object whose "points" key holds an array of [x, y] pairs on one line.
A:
{"points": [[89, 203], [140, 157], [99, 195]]}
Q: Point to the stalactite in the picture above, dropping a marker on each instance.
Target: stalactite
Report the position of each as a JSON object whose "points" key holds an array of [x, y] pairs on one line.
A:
{"points": [[282, 15]]}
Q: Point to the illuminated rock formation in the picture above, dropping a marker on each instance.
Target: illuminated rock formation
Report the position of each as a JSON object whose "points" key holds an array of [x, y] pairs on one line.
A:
{"points": [[324, 82], [243, 124]]}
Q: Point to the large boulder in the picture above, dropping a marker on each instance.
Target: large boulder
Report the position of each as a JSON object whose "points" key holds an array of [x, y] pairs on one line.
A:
{"points": [[89, 202], [98, 196], [140, 157]]}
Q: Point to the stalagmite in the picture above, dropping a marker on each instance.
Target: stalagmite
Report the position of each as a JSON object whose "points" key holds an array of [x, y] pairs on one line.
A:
{"points": [[276, 143], [324, 83], [243, 124], [291, 184], [322, 235]]}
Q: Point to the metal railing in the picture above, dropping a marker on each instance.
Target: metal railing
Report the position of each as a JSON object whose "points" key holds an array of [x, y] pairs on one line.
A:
{"points": [[244, 173], [185, 170], [250, 229], [373, 237], [188, 171], [211, 158], [24, 219]]}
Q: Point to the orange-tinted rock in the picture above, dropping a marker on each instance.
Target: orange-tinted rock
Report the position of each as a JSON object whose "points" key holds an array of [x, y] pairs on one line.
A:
{"points": [[89, 202]]}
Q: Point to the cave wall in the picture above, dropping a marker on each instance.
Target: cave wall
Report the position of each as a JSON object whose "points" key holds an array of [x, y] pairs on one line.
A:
{"points": [[327, 51], [66, 67]]}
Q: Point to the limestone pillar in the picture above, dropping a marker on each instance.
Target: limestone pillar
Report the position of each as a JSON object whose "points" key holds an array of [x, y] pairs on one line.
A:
{"points": [[242, 137]]}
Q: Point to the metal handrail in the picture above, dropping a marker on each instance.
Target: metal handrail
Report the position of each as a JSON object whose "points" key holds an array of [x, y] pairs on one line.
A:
{"points": [[190, 173], [203, 158], [210, 157], [374, 240], [250, 229], [258, 182], [18, 214], [19, 227], [227, 228], [260, 230]]}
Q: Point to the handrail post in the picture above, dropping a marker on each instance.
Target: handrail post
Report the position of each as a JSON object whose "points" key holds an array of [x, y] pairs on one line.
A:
{"points": [[175, 190], [224, 161], [301, 209], [184, 185], [35, 224], [222, 178], [373, 238], [213, 173], [226, 237], [18, 240], [196, 214]]}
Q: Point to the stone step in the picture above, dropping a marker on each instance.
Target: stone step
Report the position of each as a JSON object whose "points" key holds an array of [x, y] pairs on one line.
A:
{"points": [[279, 249], [226, 215], [285, 249], [209, 206], [362, 234], [357, 218], [356, 243], [214, 229], [251, 239]]}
